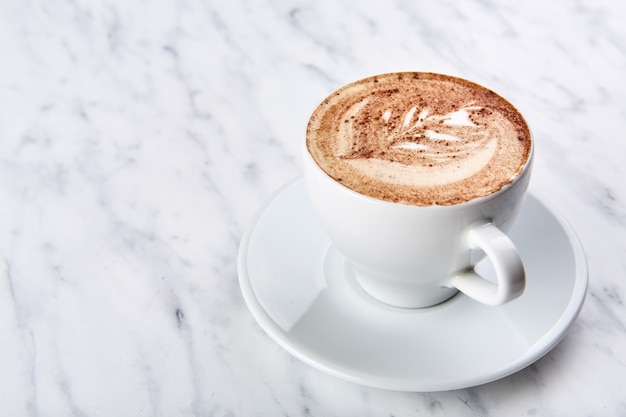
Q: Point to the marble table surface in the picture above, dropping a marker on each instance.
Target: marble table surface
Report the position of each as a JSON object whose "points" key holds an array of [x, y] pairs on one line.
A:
{"points": [[138, 139]]}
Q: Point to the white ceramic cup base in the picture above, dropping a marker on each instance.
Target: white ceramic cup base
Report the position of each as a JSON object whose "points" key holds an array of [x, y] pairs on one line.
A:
{"points": [[402, 295]]}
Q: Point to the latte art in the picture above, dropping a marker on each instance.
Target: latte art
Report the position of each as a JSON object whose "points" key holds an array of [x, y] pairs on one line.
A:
{"points": [[434, 148], [419, 138]]}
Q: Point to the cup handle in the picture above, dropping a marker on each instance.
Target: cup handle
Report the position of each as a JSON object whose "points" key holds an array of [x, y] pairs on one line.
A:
{"points": [[507, 264]]}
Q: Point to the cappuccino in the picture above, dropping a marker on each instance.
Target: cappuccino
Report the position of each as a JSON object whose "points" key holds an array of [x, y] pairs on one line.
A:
{"points": [[419, 138]]}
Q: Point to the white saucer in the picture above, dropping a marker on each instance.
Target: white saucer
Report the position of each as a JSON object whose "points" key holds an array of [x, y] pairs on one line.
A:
{"points": [[299, 291]]}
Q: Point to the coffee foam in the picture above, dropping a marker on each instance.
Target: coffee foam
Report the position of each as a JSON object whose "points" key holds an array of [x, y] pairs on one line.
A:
{"points": [[419, 138]]}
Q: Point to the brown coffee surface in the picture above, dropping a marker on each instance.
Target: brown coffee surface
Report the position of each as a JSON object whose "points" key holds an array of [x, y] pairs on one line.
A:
{"points": [[419, 138]]}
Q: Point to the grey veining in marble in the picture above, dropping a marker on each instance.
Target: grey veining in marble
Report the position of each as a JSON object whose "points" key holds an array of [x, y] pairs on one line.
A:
{"points": [[138, 139]]}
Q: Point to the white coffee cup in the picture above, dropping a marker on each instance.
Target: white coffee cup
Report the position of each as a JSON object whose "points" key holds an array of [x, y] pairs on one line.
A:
{"points": [[418, 256]]}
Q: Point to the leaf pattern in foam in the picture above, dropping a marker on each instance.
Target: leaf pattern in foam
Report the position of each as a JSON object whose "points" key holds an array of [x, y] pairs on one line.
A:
{"points": [[419, 136]]}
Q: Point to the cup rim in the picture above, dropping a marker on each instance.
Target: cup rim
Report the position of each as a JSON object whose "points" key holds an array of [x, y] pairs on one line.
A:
{"points": [[523, 172]]}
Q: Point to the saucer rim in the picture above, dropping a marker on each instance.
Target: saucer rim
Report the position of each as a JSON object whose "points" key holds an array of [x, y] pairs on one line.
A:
{"points": [[541, 347]]}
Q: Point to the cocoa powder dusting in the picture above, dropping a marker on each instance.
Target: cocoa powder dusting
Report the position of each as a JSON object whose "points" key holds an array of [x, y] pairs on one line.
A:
{"points": [[419, 138]]}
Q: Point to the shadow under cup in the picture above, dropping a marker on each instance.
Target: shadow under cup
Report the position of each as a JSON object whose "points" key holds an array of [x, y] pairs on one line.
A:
{"points": [[413, 256]]}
